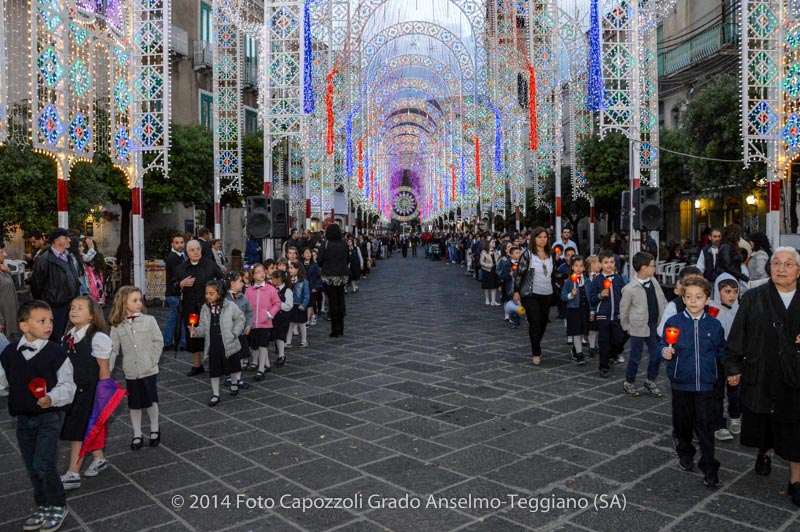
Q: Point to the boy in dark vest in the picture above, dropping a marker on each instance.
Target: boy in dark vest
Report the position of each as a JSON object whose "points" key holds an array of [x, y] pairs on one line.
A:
{"points": [[39, 378]]}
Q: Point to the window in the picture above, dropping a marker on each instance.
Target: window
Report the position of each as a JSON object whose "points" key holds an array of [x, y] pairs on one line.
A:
{"points": [[206, 103], [250, 121], [205, 23]]}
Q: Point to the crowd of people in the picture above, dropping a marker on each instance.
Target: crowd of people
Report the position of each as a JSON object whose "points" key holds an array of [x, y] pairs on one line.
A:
{"points": [[730, 333], [732, 330]]}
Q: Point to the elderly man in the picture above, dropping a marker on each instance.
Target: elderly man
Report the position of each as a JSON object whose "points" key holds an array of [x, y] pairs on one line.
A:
{"points": [[56, 280], [190, 281], [763, 352]]}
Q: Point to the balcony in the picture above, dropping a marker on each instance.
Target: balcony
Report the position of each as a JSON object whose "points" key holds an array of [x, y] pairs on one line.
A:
{"points": [[250, 79], [179, 41], [722, 36], [203, 55]]}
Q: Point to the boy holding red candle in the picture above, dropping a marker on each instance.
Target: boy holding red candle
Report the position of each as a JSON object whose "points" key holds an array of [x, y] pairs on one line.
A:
{"points": [[39, 378], [605, 292], [641, 307], [693, 346]]}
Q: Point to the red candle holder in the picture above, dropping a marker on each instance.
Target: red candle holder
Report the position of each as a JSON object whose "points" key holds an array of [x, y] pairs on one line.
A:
{"points": [[38, 387], [574, 278], [672, 334], [607, 284], [193, 319], [713, 311]]}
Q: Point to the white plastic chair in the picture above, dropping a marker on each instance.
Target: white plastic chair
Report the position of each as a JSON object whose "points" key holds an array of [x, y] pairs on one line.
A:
{"points": [[17, 270]]}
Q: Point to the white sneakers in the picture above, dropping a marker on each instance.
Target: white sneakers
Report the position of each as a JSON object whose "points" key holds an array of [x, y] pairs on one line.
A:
{"points": [[96, 467], [735, 425], [71, 480], [723, 435]]}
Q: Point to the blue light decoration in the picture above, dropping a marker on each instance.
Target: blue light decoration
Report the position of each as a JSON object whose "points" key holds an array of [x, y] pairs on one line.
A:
{"points": [[498, 138], [308, 61], [349, 153], [594, 88], [366, 172]]}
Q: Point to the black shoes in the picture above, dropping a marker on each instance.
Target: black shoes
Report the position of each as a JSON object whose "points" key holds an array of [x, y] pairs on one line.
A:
{"points": [[794, 492], [711, 479], [136, 443], [280, 361], [155, 441], [763, 465], [574, 353], [214, 401], [196, 370], [686, 463]]}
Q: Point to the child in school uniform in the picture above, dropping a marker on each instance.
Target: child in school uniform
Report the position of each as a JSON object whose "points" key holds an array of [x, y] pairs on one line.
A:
{"points": [[136, 335], [301, 295], [641, 307], [265, 303], [233, 282], [606, 306], [692, 364], [726, 304], [593, 267], [40, 415], [573, 294], [89, 349], [221, 323], [280, 323]]}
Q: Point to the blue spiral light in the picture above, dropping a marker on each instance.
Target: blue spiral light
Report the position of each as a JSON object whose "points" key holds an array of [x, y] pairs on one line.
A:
{"points": [[595, 95]]}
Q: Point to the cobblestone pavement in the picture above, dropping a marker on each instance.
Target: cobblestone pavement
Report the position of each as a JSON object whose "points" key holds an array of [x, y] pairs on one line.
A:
{"points": [[428, 393]]}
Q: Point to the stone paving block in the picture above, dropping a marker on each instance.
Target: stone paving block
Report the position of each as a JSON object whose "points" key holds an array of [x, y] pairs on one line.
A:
{"points": [[418, 390], [353, 407], [370, 432], [421, 426], [477, 496], [532, 416], [335, 420], [217, 461], [275, 457], [577, 455], [466, 416], [494, 524], [766, 490], [671, 491], [98, 504], [540, 511], [417, 447], [624, 467], [169, 477], [382, 395], [280, 423], [749, 512], [579, 422], [399, 520], [382, 414], [313, 435], [209, 514], [133, 521], [613, 520], [248, 477], [528, 439], [480, 433], [712, 523], [536, 470], [268, 523], [353, 451], [318, 474], [412, 474], [246, 441], [476, 460], [220, 429]]}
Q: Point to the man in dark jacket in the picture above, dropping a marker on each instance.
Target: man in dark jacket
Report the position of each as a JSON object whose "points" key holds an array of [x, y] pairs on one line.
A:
{"points": [[763, 352], [190, 280], [173, 332], [204, 237], [55, 280]]}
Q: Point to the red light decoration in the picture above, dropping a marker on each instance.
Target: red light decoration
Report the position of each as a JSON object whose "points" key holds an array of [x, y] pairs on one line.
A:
{"points": [[329, 108], [477, 162], [534, 140]]}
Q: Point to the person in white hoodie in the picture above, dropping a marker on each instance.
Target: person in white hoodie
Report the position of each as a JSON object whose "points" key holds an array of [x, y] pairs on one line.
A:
{"points": [[724, 307]]}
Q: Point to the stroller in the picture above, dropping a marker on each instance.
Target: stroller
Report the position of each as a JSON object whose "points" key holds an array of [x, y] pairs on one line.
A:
{"points": [[434, 251]]}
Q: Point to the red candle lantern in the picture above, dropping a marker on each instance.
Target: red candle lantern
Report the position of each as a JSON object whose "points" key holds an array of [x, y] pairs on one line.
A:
{"points": [[193, 319], [672, 334], [607, 284], [574, 278], [38, 387], [714, 311]]}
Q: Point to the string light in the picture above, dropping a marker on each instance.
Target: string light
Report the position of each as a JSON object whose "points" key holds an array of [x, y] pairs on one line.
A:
{"points": [[308, 61], [498, 139], [349, 149], [594, 92], [532, 117], [477, 163]]}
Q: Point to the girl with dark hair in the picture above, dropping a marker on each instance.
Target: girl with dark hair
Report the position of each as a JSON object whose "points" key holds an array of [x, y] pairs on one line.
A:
{"points": [[233, 282], [534, 288], [730, 259], [221, 324], [301, 295], [759, 260]]}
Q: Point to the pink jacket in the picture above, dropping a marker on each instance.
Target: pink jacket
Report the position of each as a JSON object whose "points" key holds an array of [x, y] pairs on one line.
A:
{"points": [[265, 303]]}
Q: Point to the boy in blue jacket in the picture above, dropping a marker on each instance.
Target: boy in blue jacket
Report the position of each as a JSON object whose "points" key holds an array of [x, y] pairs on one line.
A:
{"points": [[605, 302], [692, 368]]}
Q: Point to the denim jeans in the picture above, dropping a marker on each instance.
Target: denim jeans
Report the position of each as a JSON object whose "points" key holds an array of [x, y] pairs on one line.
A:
{"points": [[38, 442], [653, 352], [169, 330]]}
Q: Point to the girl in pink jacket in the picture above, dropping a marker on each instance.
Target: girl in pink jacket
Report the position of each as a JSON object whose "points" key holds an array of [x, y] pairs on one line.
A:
{"points": [[265, 302]]}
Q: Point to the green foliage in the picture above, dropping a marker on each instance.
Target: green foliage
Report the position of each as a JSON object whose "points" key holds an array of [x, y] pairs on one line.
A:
{"points": [[191, 171], [29, 183], [157, 244], [712, 124], [673, 177], [86, 193], [606, 162], [253, 164]]}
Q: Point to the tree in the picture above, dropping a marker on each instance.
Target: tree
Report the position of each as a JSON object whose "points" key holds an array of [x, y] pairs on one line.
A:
{"points": [[29, 183], [713, 129], [85, 191], [607, 169], [673, 177]]}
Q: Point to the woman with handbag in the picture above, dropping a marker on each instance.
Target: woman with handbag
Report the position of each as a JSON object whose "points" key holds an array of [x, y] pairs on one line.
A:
{"points": [[533, 287]]}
